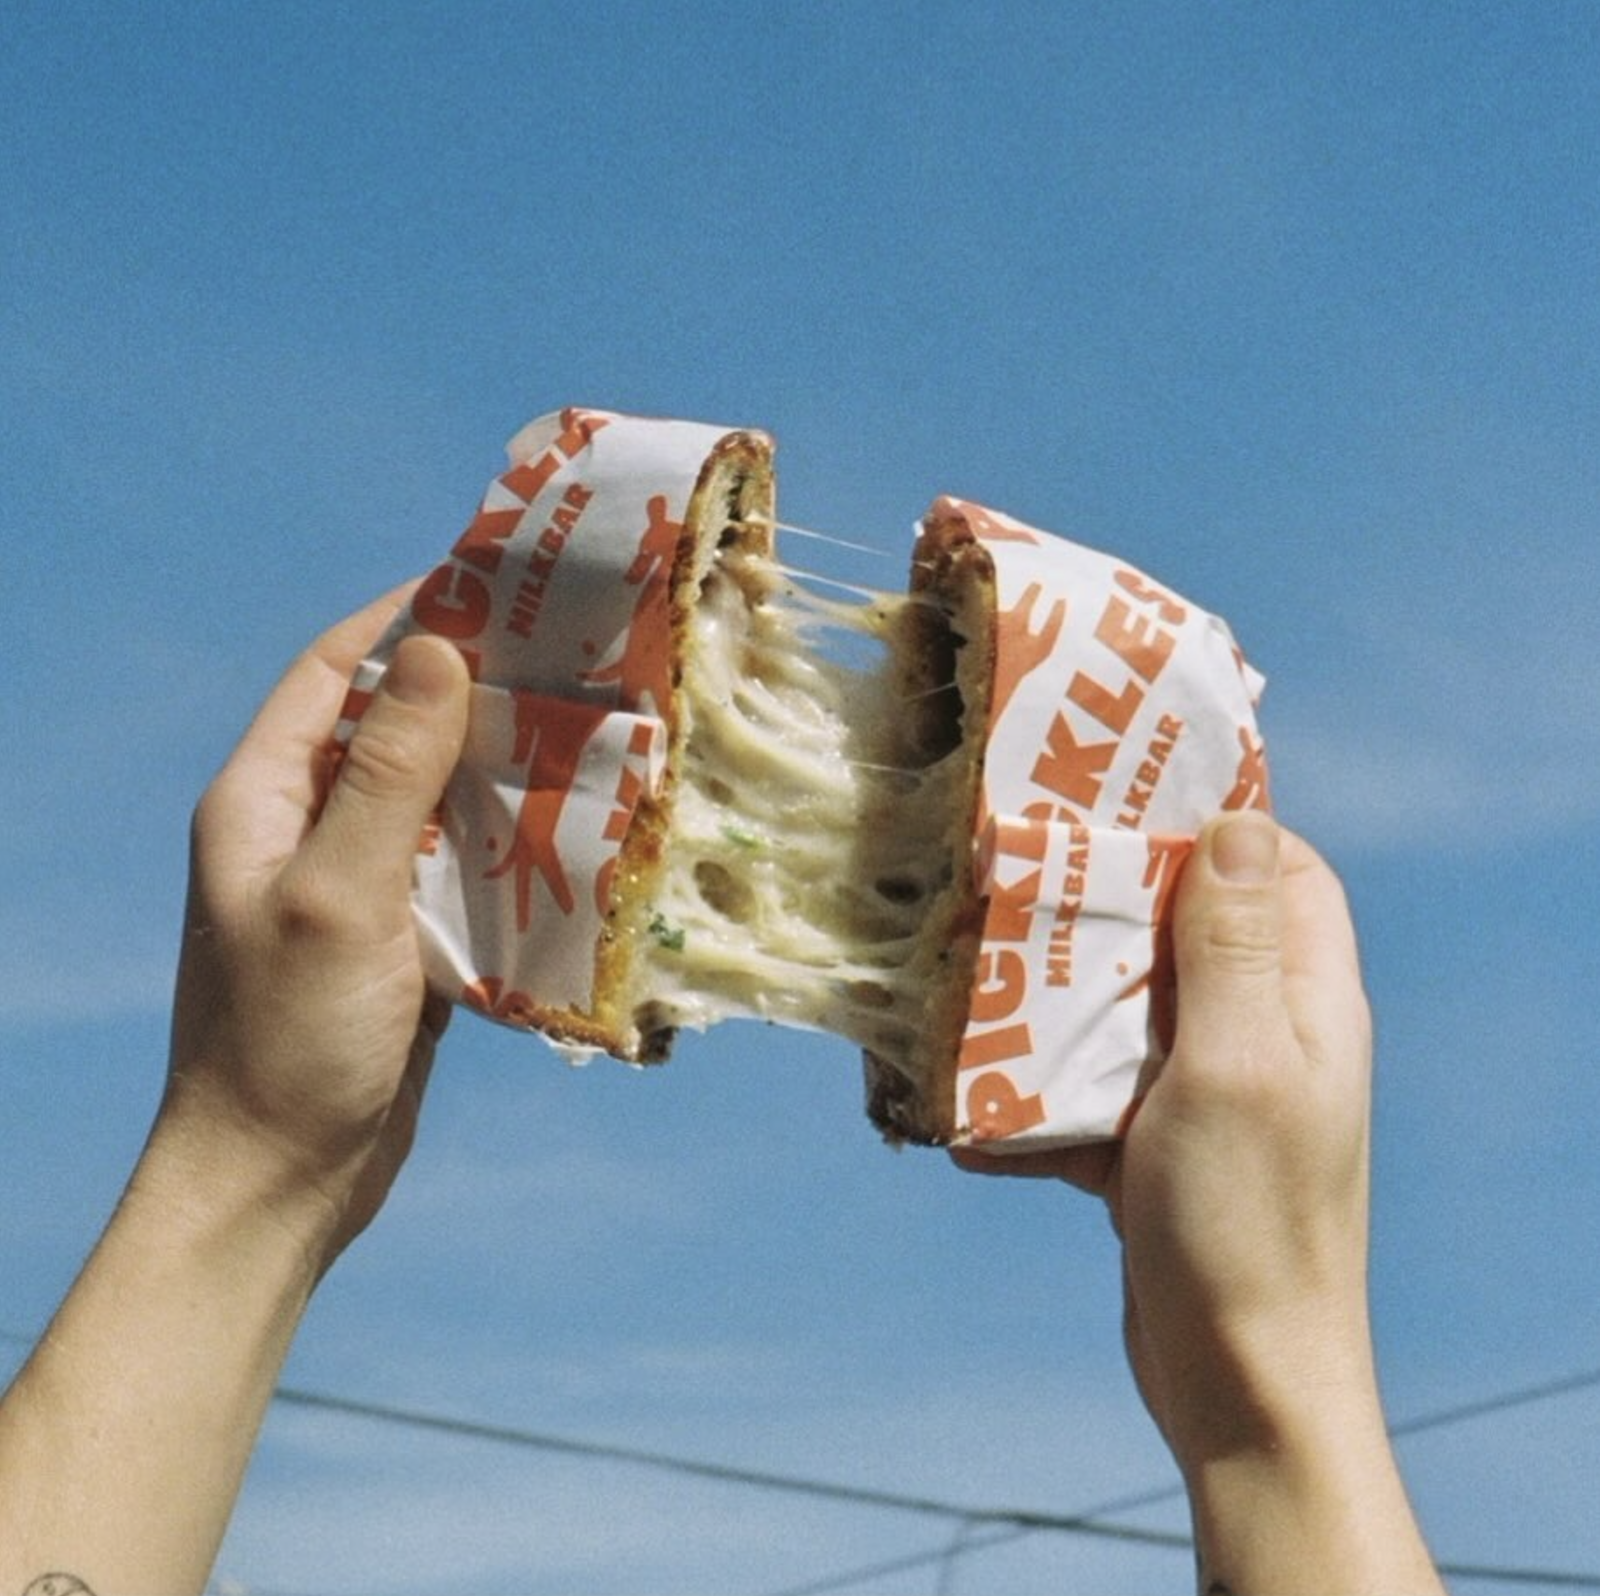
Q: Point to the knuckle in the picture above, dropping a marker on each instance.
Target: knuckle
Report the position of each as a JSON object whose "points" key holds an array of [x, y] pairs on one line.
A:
{"points": [[218, 895], [380, 761], [204, 818], [215, 815], [310, 908], [1241, 938]]}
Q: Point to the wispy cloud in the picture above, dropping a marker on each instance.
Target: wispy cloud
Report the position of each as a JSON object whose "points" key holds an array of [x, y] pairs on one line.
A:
{"points": [[1442, 730], [71, 960]]}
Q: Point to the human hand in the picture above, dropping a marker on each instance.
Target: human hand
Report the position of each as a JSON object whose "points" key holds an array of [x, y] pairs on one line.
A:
{"points": [[303, 1032], [1240, 1189], [1241, 1192], [302, 1038], [1240, 1195]]}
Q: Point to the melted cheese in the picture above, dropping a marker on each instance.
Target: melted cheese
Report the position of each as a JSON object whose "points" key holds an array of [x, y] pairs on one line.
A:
{"points": [[804, 850]]}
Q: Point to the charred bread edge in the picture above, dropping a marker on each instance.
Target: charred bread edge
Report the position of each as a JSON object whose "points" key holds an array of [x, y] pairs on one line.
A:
{"points": [[951, 566]]}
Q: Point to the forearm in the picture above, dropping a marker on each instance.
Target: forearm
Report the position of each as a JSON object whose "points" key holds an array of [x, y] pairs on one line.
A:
{"points": [[124, 1439], [1321, 1511]]}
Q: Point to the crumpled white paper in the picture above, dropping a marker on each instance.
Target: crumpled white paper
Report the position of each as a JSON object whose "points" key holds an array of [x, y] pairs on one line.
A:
{"points": [[1123, 717]]}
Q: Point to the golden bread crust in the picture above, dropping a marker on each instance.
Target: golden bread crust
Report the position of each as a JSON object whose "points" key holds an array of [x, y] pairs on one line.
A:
{"points": [[734, 497]]}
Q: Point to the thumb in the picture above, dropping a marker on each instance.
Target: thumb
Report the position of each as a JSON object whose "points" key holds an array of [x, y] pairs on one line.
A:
{"points": [[395, 769], [1227, 936]]}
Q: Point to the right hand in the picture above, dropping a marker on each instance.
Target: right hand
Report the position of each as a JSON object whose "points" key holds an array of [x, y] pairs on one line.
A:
{"points": [[1240, 1194], [1240, 1189]]}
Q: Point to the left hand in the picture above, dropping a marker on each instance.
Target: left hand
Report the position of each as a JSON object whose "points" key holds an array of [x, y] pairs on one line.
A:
{"points": [[303, 1032]]}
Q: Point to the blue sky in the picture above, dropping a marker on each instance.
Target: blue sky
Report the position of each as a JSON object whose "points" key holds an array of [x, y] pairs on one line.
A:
{"points": [[1293, 306]]}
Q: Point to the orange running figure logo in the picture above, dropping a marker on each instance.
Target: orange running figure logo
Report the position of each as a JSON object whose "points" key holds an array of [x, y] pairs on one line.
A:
{"points": [[642, 669], [550, 737], [488, 995]]}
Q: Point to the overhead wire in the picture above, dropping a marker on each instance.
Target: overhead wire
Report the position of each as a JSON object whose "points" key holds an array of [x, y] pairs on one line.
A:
{"points": [[1566, 1385], [852, 1578], [833, 1490], [959, 1542], [1009, 1523], [1437, 1418], [1004, 1523], [898, 1565]]}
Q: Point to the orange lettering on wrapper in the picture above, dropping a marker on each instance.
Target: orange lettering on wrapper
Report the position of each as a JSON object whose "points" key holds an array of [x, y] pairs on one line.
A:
{"points": [[1148, 592], [452, 603], [1148, 776], [1069, 906], [990, 526], [1025, 838], [529, 597], [996, 1108], [1070, 767], [1001, 991], [530, 476], [1073, 771], [1011, 905], [455, 602], [1131, 639], [999, 987], [994, 1047], [482, 544], [1114, 712]]}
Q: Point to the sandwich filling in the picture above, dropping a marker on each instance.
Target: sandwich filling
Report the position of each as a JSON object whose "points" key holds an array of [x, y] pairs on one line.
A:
{"points": [[818, 835]]}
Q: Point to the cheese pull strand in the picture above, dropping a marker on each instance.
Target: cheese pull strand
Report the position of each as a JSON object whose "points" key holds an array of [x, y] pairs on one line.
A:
{"points": [[805, 532], [809, 836]]}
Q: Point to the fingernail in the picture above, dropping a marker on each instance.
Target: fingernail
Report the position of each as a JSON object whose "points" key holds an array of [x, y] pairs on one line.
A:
{"points": [[1244, 849]]}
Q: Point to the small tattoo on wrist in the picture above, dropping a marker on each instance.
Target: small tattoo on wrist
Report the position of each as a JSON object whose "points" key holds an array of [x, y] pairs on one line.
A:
{"points": [[57, 1585]]}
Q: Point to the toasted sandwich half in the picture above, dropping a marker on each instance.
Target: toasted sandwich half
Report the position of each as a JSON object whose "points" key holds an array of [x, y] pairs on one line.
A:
{"points": [[680, 802], [808, 857]]}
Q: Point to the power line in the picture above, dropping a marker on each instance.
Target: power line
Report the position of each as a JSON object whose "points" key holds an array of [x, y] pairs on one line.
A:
{"points": [[1440, 1417], [898, 1565], [1436, 1419], [1095, 1521], [1007, 1523], [833, 1490], [1549, 1578], [848, 1579]]}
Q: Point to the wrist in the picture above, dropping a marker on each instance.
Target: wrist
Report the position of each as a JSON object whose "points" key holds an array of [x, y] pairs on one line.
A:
{"points": [[221, 1186], [1312, 1501], [165, 1352], [1235, 1386]]}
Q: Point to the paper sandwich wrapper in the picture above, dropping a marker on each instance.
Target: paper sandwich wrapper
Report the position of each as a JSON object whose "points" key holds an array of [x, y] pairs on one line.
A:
{"points": [[1122, 718]]}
